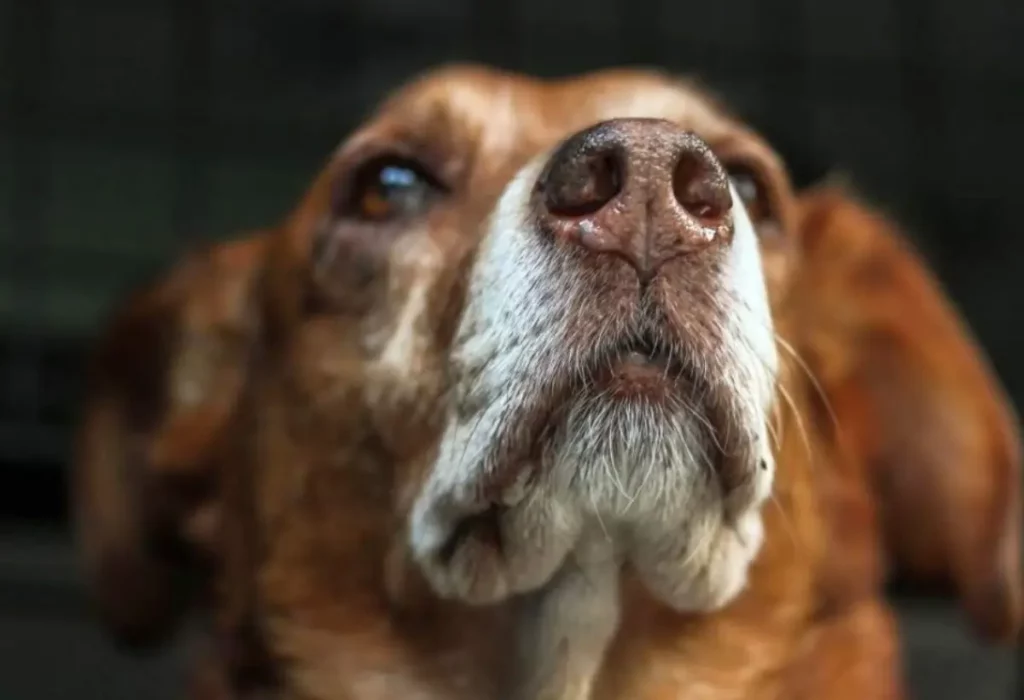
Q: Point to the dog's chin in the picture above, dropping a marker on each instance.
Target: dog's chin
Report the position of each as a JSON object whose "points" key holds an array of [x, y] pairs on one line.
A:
{"points": [[631, 446]]}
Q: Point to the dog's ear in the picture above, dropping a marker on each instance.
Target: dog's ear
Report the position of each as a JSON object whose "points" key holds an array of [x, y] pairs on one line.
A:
{"points": [[164, 380], [918, 408]]}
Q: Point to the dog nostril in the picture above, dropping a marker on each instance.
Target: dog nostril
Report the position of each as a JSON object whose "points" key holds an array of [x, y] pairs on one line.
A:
{"points": [[700, 187], [583, 185]]}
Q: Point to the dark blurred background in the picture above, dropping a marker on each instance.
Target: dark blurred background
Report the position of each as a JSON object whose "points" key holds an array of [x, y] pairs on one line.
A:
{"points": [[130, 128]]}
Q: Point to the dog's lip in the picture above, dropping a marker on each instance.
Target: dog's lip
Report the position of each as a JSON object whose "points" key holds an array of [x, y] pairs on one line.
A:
{"points": [[643, 364], [646, 367]]}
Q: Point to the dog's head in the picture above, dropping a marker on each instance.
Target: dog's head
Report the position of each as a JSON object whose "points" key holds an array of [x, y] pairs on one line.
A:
{"points": [[549, 302], [510, 311], [164, 380]]}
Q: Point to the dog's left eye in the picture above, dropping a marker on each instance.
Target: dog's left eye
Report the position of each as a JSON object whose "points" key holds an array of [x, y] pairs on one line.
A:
{"points": [[389, 188], [754, 195]]}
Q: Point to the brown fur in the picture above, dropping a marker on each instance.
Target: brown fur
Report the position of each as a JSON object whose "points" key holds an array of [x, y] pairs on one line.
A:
{"points": [[163, 382], [316, 594], [923, 423]]}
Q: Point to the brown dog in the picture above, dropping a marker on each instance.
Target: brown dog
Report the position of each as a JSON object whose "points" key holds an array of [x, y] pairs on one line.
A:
{"points": [[528, 363]]}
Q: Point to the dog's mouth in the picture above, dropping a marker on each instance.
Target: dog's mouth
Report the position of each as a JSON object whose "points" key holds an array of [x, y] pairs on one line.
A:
{"points": [[641, 378], [644, 366], [584, 442]]}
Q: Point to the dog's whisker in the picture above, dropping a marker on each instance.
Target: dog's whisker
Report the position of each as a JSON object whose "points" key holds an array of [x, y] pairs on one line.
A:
{"points": [[815, 383], [798, 418], [787, 523]]}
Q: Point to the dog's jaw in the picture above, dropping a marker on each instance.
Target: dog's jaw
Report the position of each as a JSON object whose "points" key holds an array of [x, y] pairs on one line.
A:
{"points": [[526, 459]]}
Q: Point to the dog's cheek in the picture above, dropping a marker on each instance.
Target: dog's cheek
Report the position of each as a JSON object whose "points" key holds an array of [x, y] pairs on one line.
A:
{"points": [[406, 405], [404, 381], [778, 263]]}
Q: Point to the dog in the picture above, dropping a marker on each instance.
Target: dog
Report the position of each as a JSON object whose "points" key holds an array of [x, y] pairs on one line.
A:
{"points": [[557, 390]]}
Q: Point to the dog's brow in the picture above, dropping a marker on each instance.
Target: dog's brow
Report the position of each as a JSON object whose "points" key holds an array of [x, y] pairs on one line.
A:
{"points": [[495, 121], [450, 123]]}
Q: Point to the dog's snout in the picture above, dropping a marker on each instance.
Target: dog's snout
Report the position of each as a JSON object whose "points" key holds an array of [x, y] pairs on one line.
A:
{"points": [[642, 189]]}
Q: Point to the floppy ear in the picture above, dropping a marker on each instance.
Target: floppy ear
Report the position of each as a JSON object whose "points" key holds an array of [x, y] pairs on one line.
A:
{"points": [[166, 374], [918, 408]]}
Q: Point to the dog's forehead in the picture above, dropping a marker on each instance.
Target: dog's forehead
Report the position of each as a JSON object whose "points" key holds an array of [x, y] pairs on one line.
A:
{"points": [[498, 113]]}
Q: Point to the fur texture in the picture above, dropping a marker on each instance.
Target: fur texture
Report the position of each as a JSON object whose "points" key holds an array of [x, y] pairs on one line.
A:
{"points": [[420, 495]]}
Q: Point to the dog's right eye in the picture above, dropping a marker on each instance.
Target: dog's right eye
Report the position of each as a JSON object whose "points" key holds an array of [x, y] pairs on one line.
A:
{"points": [[389, 188]]}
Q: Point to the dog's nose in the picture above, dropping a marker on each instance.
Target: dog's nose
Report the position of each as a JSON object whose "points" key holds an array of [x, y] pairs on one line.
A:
{"points": [[642, 189]]}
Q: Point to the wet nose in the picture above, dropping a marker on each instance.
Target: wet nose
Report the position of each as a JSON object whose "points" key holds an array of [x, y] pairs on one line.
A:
{"points": [[644, 190]]}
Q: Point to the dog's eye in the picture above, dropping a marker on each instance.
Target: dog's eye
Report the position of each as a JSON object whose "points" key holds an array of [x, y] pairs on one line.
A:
{"points": [[389, 188], [754, 195], [749, 189]]}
